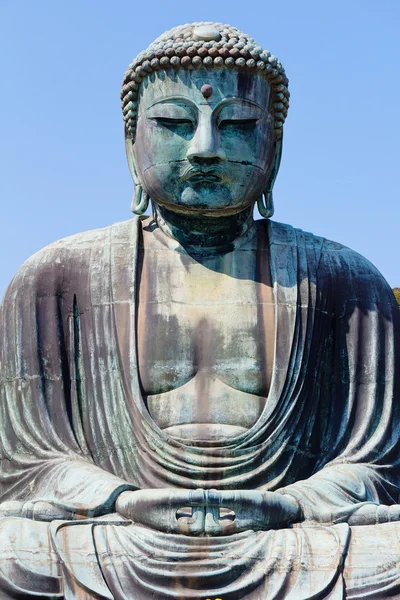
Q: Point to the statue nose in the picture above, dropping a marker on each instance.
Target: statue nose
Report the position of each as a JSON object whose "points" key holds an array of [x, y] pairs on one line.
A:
{"points": [[206, 146]]}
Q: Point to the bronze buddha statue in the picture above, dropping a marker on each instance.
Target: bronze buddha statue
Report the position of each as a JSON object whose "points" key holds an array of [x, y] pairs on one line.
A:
{"points": [[197, 404]]}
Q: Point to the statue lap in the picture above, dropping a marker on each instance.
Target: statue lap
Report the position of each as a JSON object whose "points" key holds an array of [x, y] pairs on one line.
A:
{"points": [[96, 559]]}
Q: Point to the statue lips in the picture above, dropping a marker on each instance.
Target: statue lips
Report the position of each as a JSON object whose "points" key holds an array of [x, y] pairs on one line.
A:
{"points": [[205, 178], [202, 175]]}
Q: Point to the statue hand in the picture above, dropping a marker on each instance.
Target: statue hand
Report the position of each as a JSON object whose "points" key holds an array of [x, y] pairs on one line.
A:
{"points": [[368, 513], [208, 512], [162, 509], [251, 510], [37, 511]]}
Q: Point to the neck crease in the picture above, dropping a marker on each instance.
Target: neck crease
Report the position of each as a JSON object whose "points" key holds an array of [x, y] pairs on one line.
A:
{"points": [[204, 234]]}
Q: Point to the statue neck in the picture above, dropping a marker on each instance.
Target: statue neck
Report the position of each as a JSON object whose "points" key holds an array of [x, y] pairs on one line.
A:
{"points": [[204, 234]]}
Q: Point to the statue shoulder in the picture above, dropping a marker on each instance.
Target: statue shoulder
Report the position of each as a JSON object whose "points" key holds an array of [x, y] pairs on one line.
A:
{"points": [[55, 264], [343, 271], [354, 280], [340, 259], [347, 264]]}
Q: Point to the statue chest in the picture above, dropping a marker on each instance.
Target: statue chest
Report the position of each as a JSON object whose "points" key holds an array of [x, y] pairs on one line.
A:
{"points": [[205, 337]]}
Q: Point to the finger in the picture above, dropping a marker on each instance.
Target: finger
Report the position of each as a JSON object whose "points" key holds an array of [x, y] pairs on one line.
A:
{"points": [[11, 508], [43, 511], [366, 515], [394, 512], [261, 510], [158, 509], [194, 525], [212, 524], [160, 497]]}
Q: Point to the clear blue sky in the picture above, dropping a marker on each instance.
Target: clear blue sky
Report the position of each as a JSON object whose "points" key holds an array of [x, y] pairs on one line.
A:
{"points": [[62, 161]]}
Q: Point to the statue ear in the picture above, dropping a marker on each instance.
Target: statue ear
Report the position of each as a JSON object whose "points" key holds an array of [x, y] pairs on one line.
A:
{"points": [[140, 200], [131, 160], [265, 203]]}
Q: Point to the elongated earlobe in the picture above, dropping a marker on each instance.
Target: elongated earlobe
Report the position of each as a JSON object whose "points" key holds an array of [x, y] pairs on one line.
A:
{"points": [[265, 202], [140, 200]]}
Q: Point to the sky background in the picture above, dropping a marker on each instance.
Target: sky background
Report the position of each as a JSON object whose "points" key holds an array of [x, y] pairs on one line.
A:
{"points": [[62, 160]]}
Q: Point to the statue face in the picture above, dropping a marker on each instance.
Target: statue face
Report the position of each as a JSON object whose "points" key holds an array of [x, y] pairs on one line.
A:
{"points": [[204, 140]]}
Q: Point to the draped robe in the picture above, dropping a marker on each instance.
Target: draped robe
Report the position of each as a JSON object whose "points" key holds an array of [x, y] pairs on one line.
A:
{"points": [[75, 431]]}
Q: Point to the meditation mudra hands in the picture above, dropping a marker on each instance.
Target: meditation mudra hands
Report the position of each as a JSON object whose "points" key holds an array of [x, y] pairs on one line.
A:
{"points": [[188, 512], [208, 512]]}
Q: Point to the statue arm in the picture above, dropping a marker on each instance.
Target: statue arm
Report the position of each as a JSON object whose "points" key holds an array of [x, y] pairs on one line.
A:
{"points": [[44, 454], [66, 487], [360, 450], [337, 491]]}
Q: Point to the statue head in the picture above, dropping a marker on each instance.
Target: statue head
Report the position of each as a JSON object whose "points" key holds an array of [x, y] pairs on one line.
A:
{"points": [[204, 108]]}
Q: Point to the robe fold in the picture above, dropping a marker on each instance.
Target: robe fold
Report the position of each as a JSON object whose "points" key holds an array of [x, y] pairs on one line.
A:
{"points": [[75, 431]]}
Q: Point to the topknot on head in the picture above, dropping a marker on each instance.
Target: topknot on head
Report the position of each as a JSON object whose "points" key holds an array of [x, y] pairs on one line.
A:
{"points": [[211, 45]]}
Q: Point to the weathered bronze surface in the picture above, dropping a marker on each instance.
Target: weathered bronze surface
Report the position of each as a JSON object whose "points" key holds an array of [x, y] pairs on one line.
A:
{"points": [[195, 404]]}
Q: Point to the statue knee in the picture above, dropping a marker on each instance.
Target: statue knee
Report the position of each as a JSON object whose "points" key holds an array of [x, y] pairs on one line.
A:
{"points": [[27, 559]]}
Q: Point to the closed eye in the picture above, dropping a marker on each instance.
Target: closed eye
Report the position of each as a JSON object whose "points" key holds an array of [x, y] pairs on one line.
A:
{"points": [[168, 121], [224, 123]]}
